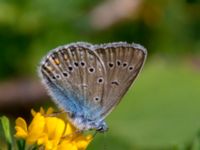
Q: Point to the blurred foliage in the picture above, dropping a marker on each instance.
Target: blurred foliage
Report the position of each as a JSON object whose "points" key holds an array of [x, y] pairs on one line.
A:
{"points": [[6, 130], [160, 112], [166, 116], [28, 29]]}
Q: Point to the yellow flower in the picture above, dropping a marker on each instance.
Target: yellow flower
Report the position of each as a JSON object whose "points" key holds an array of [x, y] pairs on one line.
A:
{"points": [[65, 145], [49, 111], [82, 142], [53, 133], [21, 128], [34, 131], [74, 140]]}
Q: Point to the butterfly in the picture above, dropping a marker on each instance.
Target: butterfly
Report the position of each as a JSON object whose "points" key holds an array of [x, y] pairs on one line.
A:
{"points": [[88, 81]]}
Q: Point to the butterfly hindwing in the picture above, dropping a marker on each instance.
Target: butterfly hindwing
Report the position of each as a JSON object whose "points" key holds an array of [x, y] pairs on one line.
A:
{"points": [[122, 62]]}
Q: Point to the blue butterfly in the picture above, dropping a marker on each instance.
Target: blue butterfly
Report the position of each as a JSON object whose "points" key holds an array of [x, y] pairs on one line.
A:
{"points": [[88, 81]]}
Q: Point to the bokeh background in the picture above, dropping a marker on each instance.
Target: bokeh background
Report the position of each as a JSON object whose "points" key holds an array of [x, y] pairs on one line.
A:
{"points": [[161, 111]]}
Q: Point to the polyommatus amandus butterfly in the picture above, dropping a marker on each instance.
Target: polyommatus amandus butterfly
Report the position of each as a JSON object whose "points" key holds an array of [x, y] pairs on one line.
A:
{"points": [[88, 81]]}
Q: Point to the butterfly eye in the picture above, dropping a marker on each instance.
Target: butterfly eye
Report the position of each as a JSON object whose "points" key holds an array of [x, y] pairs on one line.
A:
{"points": [[91, 70], [100, 80]]}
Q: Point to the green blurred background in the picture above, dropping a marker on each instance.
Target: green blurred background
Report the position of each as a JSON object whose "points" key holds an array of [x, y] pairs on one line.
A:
{"points": [[161, 111]]}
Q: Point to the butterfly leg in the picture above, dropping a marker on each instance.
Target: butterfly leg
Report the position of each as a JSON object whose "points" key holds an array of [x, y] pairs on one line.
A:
{"points": [[56, 113], [73, 135]]}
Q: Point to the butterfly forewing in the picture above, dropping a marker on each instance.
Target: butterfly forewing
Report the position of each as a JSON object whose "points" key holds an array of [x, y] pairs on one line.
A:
{"points": [[122, 62], [74, 75]]}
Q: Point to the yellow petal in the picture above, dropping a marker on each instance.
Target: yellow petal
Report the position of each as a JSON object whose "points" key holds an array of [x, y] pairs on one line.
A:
{"points": [[65, 145], [82, 141], [82, 144], [37, 124], [54, 127], [20, 132], [42, 139], [33, 112], [50, 110], [49, 145], [42, 110], [36, 128], [20, 122], [70, 129]]}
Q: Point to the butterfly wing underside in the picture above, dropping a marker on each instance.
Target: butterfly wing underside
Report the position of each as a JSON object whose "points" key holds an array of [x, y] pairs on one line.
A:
{"points": [[123, 62], [75, 77], [91, 79]]}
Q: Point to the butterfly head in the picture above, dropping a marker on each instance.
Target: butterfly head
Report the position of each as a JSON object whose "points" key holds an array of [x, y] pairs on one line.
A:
{"points": [[102, 127]]}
